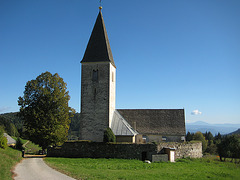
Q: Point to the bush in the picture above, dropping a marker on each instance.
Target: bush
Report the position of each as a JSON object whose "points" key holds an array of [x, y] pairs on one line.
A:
{"points": [[109, 136], [3, 139], [3, 142], [19, 144], [211, 149]]}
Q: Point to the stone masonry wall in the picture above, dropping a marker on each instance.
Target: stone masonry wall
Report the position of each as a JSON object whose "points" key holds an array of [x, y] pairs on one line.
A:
{"points": [[183, 150], [103, 150], [95, 88], [123, 151]]}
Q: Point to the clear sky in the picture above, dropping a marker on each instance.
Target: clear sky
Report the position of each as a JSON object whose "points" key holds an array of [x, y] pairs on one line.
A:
{"points": [[168, 53]]}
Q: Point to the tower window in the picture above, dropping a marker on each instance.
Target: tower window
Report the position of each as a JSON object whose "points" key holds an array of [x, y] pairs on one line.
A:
{"points": [[112, 77], [95, 75], [95, 93]]}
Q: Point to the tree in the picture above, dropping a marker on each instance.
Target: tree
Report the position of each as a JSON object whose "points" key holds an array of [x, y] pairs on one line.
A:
{"points": [[229, 147], [19, 144], [208, 136], [211, 147], [8, 126], [199, 136], [109, 136], [189, 136], [217, 138], [45, 111], [15, 120]]}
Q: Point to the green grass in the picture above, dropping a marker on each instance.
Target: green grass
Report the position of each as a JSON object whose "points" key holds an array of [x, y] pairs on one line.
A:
{"points": [[205, 168], [30, 147], [8, 158], [23, 140]]}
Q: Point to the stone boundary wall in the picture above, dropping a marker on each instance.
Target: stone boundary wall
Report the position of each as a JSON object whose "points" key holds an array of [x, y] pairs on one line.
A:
{"points": [[124, 151], [103, 150], [183, 150]]}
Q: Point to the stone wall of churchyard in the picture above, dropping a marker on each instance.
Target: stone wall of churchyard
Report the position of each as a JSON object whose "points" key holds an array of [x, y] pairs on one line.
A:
{"points": [[84, 149], [103, 150], [182, 150]]}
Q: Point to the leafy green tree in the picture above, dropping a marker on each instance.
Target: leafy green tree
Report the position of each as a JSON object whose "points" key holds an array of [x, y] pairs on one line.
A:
{"points": [[199, 137], [3, 139], [75, 122], [211, 148], [45, 111], [109, 136], [229, 147], [19, 144]]}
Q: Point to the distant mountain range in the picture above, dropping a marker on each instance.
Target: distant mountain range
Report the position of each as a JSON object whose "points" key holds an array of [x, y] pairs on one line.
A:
{"points": [[213, 128]]}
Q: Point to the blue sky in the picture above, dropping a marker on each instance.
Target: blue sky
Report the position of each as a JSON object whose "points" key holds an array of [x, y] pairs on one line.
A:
{"points": [[168, 53]]}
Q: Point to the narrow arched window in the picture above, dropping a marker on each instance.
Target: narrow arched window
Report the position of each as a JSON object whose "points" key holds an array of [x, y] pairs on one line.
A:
{"points": [[95, 75], [95, 93]]}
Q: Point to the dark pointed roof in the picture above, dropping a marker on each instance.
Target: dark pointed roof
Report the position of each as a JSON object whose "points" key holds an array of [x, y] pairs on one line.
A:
{"points": [[98, 48]]}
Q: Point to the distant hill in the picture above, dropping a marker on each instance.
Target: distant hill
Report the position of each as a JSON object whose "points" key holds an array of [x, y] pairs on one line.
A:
{"points": [[8, 126], [235, 132], [13, 118], [213, 128]]}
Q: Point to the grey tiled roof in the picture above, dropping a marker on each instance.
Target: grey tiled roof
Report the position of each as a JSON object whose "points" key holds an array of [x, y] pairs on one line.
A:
{"points": [[120, 127], [98, 48], [156, 121], [10, 140]]}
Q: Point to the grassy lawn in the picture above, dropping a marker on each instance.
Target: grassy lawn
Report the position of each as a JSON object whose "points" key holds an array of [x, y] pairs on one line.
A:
{"points": [[205, 168], [30, 147], [8, 158]]}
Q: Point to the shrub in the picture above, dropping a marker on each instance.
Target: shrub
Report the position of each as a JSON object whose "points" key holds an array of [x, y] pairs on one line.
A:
{"points": [[3, 139], [3, 142], [19, 144], [109, 136]]}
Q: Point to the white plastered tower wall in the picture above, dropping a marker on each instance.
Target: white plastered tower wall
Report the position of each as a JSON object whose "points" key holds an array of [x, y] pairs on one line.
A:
{"points": [[112, 91]]}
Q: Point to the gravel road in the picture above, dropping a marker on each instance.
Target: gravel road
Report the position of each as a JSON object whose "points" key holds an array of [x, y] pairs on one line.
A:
{"points": [[36, 169]]}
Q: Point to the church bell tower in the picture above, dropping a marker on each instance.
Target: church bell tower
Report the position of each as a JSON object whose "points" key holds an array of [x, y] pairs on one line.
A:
{"points": [[98, 84]]}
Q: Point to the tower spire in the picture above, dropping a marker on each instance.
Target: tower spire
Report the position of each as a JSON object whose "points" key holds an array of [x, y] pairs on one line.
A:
{"points": [[98, 48]]}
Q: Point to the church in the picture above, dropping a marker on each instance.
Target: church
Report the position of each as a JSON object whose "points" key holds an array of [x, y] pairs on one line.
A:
{"points": [[98, 94]]}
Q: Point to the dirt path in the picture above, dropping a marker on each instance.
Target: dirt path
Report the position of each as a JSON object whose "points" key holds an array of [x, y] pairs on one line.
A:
{"points": [[34, 168]]}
